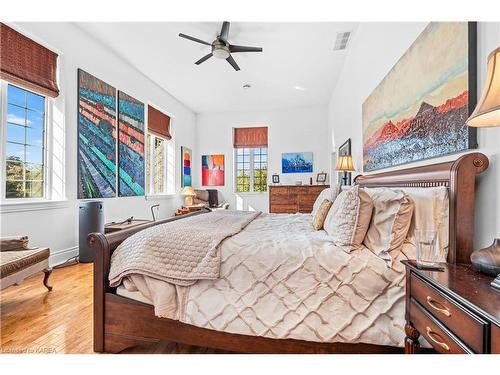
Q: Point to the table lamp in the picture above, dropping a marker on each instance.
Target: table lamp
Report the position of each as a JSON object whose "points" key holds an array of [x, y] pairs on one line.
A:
{"points": [[487, 111], [189, 193], [487, 114], [344, 164]]}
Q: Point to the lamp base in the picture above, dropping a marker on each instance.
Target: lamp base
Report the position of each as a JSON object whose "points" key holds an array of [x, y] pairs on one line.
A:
{"points": [[487, 260]]}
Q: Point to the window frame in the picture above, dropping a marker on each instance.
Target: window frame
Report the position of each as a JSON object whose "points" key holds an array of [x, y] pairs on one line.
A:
{"points": [[252, 171], [47, 147], [170, 153]]}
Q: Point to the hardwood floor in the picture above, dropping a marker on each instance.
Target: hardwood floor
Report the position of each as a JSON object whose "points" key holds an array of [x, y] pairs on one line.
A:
{"points": [[33, 320]]}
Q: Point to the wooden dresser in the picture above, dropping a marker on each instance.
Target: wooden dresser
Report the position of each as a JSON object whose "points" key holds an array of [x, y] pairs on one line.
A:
{"points": [[455, 310], [289, 199]]}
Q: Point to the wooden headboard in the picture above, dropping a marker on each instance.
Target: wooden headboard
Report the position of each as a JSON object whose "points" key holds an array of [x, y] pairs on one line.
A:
{"points": [[459, 177]]}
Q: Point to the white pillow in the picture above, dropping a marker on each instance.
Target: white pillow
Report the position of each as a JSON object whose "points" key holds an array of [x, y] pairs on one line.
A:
{"points": [[329, 194], [391, 220], [431, 213]]}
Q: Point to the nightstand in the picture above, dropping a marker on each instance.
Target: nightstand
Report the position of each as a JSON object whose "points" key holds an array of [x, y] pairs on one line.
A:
{"points": [[186, 209], [115, 227], [454, 310]]}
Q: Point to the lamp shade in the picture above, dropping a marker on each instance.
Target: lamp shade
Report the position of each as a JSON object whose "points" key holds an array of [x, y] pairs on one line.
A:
{"points": [[188, 191], [344, 164], [487, 112]]}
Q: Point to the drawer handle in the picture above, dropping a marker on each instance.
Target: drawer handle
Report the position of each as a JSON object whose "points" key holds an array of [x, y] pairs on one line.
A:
{"points": [[441, 309], [431, 335]]}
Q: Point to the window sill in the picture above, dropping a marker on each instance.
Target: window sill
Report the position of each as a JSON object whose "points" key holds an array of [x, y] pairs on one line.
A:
{"points": [[20, 206], [162, 196], [251, 193]]}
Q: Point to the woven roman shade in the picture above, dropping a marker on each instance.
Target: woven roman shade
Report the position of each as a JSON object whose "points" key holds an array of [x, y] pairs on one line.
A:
{"points": [[27, 63], [158, 123], [250, 137]]}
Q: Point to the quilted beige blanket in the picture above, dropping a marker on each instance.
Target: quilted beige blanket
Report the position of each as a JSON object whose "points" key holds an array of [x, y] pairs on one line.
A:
{"points": [[280, 278], [180, 252]]}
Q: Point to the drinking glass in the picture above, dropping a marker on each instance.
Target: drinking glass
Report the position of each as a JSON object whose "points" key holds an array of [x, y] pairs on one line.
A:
{"points": [[427, 252]]}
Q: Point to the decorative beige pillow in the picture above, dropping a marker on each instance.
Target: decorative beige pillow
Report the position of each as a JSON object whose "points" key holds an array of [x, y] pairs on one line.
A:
{"points": [[349, 218], [320, 216], [391, 219], [329, 193]]}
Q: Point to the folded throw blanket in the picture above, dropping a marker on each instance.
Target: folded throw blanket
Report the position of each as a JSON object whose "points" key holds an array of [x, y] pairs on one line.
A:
{"points": [[180, 252], [13, 243]]}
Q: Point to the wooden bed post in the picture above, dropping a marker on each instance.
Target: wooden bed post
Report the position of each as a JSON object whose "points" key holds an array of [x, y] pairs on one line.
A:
{"points": [[462, 198], [100, 247]]}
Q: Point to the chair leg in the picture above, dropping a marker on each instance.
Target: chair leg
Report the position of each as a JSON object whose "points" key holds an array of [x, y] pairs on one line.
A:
{"points": [[47, 273]]}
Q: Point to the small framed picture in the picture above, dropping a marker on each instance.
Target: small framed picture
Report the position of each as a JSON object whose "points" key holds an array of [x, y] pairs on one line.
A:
{"points": [[321, 178], [276, 179]]}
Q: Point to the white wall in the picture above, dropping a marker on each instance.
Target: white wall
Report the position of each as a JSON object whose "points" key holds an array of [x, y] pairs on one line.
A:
{"points": [[290, 130], [57, 227], [373, 51]]}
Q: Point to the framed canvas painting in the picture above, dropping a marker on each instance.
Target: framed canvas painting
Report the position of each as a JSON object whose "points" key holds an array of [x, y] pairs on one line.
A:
{"points": [[96, 137], [419, 109], [212, 170], [297, 162], [130, 146], [185, 166]]}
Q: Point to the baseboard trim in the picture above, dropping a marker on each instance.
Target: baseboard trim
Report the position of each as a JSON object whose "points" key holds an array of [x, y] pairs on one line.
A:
{"points": [[62, 256]]}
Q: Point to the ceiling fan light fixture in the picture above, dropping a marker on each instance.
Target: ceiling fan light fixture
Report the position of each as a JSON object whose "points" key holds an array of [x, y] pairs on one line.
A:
{"points": [[221, 48], [221, 53]]}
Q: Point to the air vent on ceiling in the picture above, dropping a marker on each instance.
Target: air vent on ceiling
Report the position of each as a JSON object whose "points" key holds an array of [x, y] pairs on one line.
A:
{"points": [[341, 41]]}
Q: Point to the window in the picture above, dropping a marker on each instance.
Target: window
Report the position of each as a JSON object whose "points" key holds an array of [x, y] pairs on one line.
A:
{"points": [[25, 144], [156, 164], [160, 154], [251, 169]]}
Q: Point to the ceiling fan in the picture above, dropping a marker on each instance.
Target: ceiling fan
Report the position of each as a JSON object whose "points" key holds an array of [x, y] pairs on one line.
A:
{"points": [[221, 48]]}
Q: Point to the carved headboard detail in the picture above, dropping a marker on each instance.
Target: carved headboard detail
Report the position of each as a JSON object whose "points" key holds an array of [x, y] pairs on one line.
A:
{"points": [[459, 177]]}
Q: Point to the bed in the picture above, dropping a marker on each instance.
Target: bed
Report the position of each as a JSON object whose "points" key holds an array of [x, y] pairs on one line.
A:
{"points": [[270, 306]]}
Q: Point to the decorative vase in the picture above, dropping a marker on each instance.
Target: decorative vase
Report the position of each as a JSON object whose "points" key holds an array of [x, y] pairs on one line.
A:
{"points": [[487, 260]]}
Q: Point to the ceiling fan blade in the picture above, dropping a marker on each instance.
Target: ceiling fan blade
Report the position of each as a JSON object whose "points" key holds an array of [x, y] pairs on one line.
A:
{"points": [[233, 49], [224, 32], [194, 39], [231, 61], [203, 59]]}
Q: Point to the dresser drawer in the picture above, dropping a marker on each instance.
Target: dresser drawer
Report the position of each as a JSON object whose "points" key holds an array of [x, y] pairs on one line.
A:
{"points": [[434, 333], [454, 317], [283, 208], [278, 190], [283, 198], [495, 339]]}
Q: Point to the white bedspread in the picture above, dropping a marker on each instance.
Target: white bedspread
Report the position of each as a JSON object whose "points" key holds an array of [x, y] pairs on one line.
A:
{"points": [[280, 278]]}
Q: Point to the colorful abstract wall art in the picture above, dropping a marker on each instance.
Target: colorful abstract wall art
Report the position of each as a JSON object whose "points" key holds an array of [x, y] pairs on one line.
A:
{"points": [[96, 137], [212, 170], [185, 166], [130, 146], [297, 162], [419, 109]]}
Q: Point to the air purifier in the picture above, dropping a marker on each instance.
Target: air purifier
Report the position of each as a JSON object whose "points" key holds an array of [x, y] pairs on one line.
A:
{"points": [[91, 219]]}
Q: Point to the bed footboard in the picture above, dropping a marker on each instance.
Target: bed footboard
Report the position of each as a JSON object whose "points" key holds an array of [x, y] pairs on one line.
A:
{"points": [[103, 246]]}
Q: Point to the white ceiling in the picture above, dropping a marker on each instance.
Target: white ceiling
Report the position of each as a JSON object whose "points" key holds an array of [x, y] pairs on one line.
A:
{"points": [[295, 55]]}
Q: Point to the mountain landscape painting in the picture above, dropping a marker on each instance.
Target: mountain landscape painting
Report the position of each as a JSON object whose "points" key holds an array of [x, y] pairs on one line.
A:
{"points": [[419, 109], [297, 162]]}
